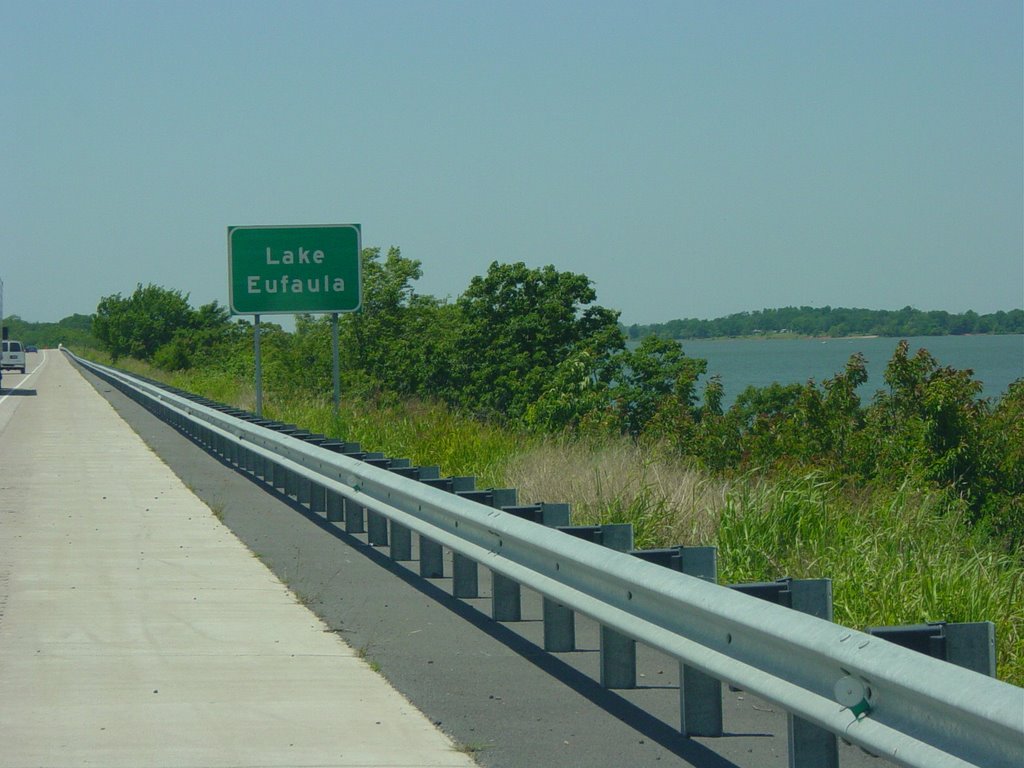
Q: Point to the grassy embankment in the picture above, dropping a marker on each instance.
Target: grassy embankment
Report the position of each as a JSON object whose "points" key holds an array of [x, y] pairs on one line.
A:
{"points": [[896, 555]]}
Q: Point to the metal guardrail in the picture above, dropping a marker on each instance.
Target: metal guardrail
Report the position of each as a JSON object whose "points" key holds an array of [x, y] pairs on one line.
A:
{"points": [[893, 702]]}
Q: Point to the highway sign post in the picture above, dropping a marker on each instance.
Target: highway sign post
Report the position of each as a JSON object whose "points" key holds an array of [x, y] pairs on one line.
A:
{"points": [[294, 269]]}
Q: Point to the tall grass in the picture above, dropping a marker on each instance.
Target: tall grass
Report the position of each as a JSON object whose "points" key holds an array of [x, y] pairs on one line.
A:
{"points": [[218, 385], [426, 433], [896, 556], [615, 481], [903, 555]]}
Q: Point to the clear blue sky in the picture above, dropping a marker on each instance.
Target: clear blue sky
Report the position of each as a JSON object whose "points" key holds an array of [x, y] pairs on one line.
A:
{"points": [[693, 159]]}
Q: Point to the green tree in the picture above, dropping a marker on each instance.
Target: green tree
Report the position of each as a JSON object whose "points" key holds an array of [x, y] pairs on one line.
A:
{"points": [[206, 333], [833, 416], [377, 329], [515, 327], [930, 418], [719, 438], [139, 325], [657, 378], [759, 429], [400, 339], [1003, 436], [576, 398]]}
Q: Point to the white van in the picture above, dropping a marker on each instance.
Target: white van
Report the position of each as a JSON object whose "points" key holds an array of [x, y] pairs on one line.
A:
{"points": [[13, 355]]}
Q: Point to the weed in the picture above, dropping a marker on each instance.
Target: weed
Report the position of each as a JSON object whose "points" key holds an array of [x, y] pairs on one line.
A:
{"points": [[218, 511], [471, 749], [363, 652]]}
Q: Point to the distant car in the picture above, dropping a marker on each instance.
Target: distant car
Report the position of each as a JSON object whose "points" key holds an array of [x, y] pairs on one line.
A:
{"points": [[31, 348], [13, 355]]}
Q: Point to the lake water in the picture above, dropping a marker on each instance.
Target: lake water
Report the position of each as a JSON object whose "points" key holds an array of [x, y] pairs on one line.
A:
{"points": [[996, 360]]}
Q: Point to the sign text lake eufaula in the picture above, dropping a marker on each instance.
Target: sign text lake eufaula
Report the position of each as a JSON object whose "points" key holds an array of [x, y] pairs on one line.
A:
{"points": [[284, 270]]}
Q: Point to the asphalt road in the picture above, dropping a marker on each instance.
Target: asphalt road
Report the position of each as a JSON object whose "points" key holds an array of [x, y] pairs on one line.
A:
{"points": [[489, 685]]}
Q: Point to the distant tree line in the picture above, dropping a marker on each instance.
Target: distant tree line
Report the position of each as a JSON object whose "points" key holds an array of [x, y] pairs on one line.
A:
{"points": [[836, 322], [74, 330]]}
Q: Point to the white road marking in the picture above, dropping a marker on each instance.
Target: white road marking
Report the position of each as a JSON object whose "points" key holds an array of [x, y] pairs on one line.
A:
{"points": [[28, 376]]}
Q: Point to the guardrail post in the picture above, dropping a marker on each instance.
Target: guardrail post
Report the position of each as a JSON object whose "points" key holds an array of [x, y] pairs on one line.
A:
{"points": [[353, 517], [506, 604], [972, 645], [257, 465], [376, 523], [559, 621], [700, 694], [376, 528], [465, 575], [401, 542], [618, 651], [245, 459], [277, 476], [335, 507], [431, 553], [251, 459], [559, 627], [618, 659], [401, 536], [811, 746], [291, 483], [431, 559], [335, 502], [317, 498]]}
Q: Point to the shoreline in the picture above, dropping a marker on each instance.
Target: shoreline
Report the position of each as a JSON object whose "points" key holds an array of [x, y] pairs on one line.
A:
{"points": [[807, 337]]}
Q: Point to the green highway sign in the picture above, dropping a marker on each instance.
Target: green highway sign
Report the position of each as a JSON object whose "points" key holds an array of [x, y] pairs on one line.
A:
{"points": [[286, 270]]}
